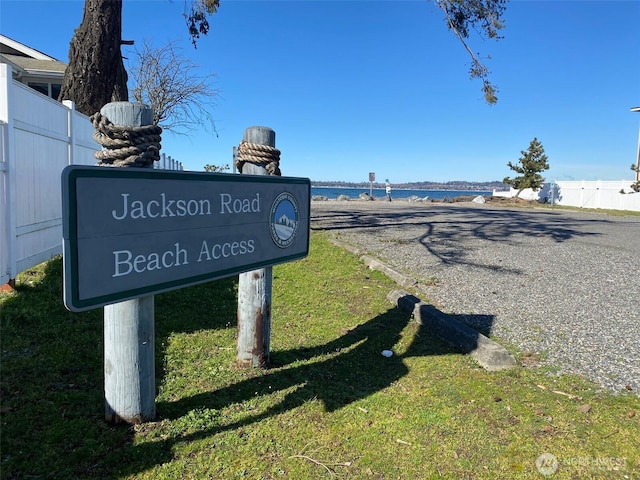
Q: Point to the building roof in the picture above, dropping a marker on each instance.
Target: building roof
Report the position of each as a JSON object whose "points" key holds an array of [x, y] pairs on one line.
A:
{"points": [[27, 60], [9, 45], [34, 66]]}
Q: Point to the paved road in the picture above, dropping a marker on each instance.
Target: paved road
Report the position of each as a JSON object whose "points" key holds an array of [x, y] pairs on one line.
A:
{"points": [[559, 284]]}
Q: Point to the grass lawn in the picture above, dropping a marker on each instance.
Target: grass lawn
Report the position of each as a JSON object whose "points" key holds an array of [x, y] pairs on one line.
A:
{"points": [[329, 406]]}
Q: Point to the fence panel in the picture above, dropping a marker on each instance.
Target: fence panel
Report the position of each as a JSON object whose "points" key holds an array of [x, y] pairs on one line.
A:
{"points": [[39, 137], [167, 163], [83, 146], [614, 195], [41, 149]]}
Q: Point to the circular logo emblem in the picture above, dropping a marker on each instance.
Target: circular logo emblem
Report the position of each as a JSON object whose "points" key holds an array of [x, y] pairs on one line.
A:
{"points": [[284, 220], [547, 464]]}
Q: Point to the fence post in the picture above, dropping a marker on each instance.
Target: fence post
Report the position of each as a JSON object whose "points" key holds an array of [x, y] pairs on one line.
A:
{"points": [[10, 200], [254, 288], [129, 329], [71, 154]]}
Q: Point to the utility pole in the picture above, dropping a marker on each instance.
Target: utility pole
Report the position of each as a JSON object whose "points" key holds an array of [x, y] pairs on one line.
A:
{"points": [[637, 109]]}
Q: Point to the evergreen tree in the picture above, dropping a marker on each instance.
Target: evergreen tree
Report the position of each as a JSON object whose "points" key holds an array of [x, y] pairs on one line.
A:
{"points": [[529, 166], [216, 168], [635, 186]]}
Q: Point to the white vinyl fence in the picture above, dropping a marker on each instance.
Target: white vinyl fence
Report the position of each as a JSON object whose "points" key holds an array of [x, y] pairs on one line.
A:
{"points": [[38, 138], [583, 194]]}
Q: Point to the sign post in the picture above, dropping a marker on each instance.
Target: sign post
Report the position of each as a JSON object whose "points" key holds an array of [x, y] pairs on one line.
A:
{"points": [[372, 178], [129, 326], [255, 287], [129, 233]]}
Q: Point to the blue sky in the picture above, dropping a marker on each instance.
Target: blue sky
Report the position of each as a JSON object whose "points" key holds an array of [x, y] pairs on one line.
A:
{"points": [[353, 87]]}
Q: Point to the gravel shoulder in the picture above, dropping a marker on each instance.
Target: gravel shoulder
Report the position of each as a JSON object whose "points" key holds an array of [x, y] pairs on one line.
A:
{"points": [[556, 285]]}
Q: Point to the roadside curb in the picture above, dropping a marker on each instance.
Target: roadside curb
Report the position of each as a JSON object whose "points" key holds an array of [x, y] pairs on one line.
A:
{"points": [[486, 352]]}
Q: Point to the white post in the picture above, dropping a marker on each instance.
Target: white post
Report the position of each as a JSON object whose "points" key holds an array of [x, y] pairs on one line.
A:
{"points": [[6, 115], [254, 288], [71, 154], [129, 329]]}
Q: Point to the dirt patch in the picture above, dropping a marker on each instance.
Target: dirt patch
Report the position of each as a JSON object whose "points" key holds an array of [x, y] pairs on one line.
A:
{"points": [[509, 201]]}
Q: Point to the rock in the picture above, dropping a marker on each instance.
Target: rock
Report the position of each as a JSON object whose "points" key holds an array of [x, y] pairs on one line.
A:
{"points": [[319, 198], [478, 199], [343, 198], [365, 196]]}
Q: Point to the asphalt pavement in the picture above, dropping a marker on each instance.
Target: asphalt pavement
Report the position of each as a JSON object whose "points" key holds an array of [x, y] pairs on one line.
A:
{"points": [[558, 287]]}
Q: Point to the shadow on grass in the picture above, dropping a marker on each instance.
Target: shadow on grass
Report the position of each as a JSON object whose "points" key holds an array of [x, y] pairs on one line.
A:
{"points": [[52, 380], [348, 368], [338, 373]]}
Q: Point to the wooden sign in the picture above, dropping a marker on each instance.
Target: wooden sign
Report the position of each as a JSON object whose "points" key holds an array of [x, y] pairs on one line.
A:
{"points": [[134, 232]]}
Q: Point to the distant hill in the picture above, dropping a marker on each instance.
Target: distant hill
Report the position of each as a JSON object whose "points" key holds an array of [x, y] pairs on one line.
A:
{"points": [[453, 185]]}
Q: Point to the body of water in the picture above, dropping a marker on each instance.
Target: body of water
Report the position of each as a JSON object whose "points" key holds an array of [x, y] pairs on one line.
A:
{"points": [[379, 193]]}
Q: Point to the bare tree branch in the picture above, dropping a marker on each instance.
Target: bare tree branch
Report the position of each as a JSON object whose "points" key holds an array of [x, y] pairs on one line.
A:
{"points": [[167, 81]]}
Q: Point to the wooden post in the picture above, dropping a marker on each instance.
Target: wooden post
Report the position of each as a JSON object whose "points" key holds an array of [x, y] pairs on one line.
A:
{"points": [[254, 288], [233, 159], [129, 328]]}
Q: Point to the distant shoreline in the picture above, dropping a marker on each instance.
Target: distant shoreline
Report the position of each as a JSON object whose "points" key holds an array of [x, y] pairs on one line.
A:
{"points": [[442, 186], [478, 190], [396, 193]]}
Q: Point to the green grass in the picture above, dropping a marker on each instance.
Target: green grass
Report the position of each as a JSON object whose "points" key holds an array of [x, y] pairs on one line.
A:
{"points": [[607, 211], [330, 405]]}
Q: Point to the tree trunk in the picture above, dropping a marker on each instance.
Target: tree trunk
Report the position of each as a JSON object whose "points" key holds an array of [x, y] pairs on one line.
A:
{"points": [[96, 75]]}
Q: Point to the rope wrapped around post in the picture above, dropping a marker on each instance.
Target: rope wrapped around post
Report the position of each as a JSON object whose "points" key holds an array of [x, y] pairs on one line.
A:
{"points": [[125, 146], [264, 155]]}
